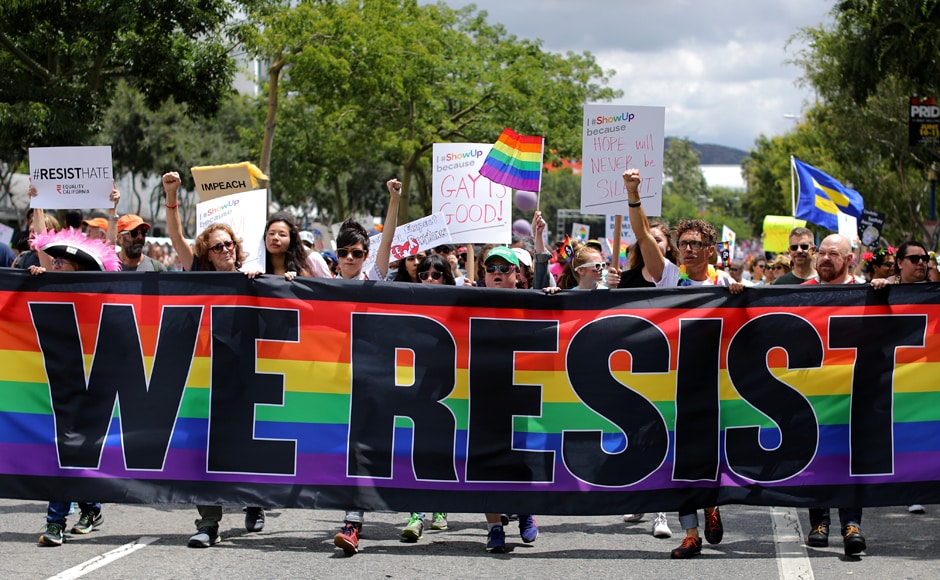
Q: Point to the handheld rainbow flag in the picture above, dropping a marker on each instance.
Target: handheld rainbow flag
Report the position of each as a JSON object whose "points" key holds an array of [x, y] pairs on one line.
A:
{"points": [[566, 250], [515, 161]]}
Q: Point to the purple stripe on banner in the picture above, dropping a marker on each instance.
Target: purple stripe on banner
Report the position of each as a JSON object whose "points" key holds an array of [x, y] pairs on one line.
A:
{"points": [[320, 469]]}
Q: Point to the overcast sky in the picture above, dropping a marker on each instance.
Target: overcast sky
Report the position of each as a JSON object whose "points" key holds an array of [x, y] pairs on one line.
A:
{"points": [[718, 66]]}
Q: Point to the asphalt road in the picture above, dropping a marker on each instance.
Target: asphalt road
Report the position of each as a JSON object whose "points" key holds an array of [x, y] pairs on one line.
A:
{"points": [[760, 542]]}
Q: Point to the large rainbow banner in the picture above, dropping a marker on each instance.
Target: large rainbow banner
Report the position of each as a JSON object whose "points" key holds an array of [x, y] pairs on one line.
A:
{"points": [[214, 389]]}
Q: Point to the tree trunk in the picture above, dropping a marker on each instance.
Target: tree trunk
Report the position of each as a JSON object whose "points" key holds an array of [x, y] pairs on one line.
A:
{"points": [[270, 121]]}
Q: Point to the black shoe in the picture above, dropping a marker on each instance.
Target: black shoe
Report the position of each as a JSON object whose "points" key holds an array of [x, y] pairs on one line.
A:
{"points": [[853, 541], [204, 537], [714, 530], [819, 537], [254, 519]]}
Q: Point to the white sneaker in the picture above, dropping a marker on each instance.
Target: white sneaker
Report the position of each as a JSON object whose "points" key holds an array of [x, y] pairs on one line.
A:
{"points": [[916, 509], [633, 518], [660, 527]]}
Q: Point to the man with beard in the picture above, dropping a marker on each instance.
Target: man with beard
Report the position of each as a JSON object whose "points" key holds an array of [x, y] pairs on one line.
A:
{"points": [[132, 236], [801, 258], [832, 266]]}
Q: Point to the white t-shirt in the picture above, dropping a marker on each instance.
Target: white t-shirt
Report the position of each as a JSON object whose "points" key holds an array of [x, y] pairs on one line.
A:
{"points": [[671, 273]]}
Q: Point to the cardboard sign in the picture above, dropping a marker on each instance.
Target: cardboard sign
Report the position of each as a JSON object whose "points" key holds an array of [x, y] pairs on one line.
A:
{"points": [[221, 180], [476, 209], [777, 232], [413, 237], [616, 138], [246, 214], [71, 177], [627, 237], [869, 227], [580, 232]]}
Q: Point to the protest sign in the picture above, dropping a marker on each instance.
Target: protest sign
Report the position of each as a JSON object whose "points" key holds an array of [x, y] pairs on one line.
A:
{"points": [[777, 232], [616, 138], [6, 234], [211, 388], [870, 225], [476, 209], [419, 235], [246, 214], [214, 181], [627, 236], [71, 177], [728, 235], [580, 232]]}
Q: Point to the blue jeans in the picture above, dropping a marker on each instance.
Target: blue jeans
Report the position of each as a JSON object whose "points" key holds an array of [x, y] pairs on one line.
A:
{"points": [[59, 510]]}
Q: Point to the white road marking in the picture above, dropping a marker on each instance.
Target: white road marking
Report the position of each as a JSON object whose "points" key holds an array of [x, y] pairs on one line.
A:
{"points": [[104, 559], [792, 561]]}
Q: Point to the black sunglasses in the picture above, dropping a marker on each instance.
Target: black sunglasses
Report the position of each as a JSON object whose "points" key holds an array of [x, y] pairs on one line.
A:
{"points": [[795, 247], [356, 254], [134, 233], [916, 259], [435, 275], [227, 245], [501, 268]]}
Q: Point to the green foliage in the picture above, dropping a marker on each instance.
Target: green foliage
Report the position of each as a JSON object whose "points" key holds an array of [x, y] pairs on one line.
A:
{"points": [[62, 59], [382, 81]]}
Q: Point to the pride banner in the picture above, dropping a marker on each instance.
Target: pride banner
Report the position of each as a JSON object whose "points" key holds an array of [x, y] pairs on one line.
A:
{"points": [[212, 388]]}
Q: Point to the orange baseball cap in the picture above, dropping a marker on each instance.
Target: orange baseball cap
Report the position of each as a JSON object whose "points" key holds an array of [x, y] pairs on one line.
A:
{"points": [[96, 223], [130, 222]]}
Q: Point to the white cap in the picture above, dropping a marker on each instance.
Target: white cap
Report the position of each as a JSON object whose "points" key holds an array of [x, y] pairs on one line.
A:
{"points": [[524, 256]]}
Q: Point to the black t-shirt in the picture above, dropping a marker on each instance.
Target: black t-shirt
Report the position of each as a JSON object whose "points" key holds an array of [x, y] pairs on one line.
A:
{"points": [[634, 279]]}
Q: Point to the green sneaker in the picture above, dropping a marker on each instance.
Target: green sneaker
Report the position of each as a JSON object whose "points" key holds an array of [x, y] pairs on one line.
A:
{"points": [[88, 522], [53, 536], [414, 529], [440, 521]]}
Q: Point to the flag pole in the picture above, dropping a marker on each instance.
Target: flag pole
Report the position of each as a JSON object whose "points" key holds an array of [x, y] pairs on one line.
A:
{"points": [[618, 225], [792, 191]]}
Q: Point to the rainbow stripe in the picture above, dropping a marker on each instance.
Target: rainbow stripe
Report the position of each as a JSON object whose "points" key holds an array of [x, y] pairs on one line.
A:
{"points": [[515, 161], [318, 374]]}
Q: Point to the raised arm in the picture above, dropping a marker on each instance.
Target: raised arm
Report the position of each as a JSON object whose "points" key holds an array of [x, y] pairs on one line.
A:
{"points": [[113, 216], [174, 227], [652, 256], [38, 227], [388, 229]]}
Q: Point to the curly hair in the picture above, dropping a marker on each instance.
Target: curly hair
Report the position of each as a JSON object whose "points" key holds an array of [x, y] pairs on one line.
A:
{"points": [[709, 234], [201, 249], [295, 260]]}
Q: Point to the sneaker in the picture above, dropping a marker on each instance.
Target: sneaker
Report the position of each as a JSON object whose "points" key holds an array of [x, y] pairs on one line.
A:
{"points": [[254, 519], [528, 529], [73, 507], [496, 540], [688, 548], [852, 540], [88, 522], [714, 531], [348, 538], [204, 537], [414, 529], [633, 518], [53, 536], [916, 509], [819, 537], [660, 527], [440, 521]]}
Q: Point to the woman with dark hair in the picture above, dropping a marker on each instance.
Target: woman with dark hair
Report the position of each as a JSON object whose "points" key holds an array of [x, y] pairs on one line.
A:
{"points": [[408, 268], [910, 266], [637, 276], [434, 269], [284, 253]]}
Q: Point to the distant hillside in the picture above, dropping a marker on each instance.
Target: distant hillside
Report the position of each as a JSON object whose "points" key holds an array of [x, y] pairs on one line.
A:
{"points": [[715, 154]]}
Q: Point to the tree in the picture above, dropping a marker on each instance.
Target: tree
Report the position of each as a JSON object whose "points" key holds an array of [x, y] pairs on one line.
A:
{"points": [[385, 80], [62, 59]]}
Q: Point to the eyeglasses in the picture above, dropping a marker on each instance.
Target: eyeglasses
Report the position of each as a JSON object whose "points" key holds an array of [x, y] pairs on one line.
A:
{"points": [[760, 265], [733, 268], [795, 247], [501, 268], [226, 245], [888, 265], [59, 263], [916, 259], [779, 267], [357, 254], [435, 275], [598, 266], [134, 233], [694, 245]]}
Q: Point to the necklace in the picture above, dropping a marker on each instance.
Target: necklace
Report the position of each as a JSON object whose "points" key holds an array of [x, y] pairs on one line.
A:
{"points": [[684, 279]]}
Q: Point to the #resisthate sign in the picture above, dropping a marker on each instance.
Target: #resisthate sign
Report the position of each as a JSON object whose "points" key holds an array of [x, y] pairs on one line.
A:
{"points": [[477, 210], [71, 177], [616, 138]]}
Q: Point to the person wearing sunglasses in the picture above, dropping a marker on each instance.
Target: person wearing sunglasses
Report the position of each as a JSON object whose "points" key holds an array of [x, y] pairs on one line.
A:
{"points": [[435, 269], [587, 270], [802, 250], [132, 239], [912, 261], [696, 242], [832, 266], [408, 268], [779, 266]]}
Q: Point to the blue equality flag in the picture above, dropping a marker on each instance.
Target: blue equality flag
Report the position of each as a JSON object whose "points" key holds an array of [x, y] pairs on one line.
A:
{"points": [[821, 197]]}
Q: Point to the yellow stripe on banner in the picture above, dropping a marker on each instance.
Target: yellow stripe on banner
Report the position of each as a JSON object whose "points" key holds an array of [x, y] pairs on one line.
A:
{"points": [[22, 366], [909, 377]]}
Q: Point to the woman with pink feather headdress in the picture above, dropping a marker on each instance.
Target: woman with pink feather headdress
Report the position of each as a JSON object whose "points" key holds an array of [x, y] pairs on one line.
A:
{"points": [[70, 250]]}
